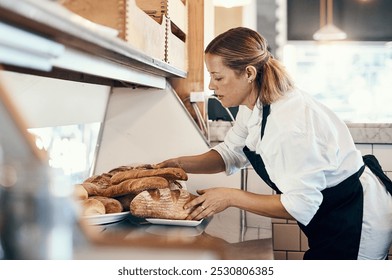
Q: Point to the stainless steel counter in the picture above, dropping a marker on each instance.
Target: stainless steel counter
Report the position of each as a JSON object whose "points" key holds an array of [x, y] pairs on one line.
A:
{"points": [[222, 237]]}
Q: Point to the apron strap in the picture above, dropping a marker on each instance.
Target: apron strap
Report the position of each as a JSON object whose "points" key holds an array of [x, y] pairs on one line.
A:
{"points": [[373, 164], [266, 112]]}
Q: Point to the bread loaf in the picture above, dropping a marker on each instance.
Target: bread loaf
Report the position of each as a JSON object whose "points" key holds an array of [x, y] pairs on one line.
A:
{"points": [[112, 205], [130, 186], [125, 200], [170, 174], [162, 203], [92, 206]]}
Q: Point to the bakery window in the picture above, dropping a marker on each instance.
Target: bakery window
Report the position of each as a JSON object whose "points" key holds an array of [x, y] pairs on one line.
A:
{"points": [[352, 78]]}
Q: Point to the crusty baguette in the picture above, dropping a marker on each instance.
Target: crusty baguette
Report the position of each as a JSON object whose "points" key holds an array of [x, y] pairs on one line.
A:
{"points": [[169, 173], [103, 179], [112, 205], [92, 206], [135, 186], [129, 186], [129, 167], [162, 204], [93, 189]]}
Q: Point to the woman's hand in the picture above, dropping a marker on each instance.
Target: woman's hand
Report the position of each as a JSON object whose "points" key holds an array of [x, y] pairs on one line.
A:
{"points": [[207, 163], [168, 163], [210, 202]]}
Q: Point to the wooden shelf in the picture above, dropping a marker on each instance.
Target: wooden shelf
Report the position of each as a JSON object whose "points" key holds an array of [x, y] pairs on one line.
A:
{"points": [[88, 50], [174, 15]]}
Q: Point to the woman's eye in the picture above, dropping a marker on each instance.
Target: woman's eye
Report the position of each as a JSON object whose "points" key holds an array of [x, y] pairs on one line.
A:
{"points": [[218, 79]]}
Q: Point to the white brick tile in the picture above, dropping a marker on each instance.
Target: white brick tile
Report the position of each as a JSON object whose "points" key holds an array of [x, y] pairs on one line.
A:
{"points": [[295, 255], [279, 221], [384, 155], [304, 242], [256, 184], [286, 237], [365, 148], [280, 255], [254, 220], [389, 174]]}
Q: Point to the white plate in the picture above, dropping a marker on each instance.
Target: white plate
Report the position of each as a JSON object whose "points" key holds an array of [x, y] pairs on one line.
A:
{"points": [[105, 218], [185, 223]]}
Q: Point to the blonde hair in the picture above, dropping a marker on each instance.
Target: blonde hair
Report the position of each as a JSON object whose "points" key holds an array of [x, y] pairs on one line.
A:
{"points": [[241, 47]]}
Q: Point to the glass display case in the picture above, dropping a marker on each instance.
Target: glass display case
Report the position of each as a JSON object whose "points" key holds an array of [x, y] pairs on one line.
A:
{"points": [[71, 148]]}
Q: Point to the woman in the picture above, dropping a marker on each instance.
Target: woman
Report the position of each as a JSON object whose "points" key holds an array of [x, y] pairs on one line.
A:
{"points": [[298, 147]]}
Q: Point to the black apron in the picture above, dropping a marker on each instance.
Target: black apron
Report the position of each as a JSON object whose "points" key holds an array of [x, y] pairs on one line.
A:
{"points": [[334, 232]]}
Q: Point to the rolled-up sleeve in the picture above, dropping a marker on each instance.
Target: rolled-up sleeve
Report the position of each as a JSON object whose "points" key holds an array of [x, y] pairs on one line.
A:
{"points": [[231, 150]]}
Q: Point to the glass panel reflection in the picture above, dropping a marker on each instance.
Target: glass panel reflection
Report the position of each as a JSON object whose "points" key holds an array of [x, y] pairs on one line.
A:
{"points": [[71, 148]]}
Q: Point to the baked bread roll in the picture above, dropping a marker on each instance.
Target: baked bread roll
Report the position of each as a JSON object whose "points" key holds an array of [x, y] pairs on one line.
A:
{"points": [[130, 186], [112, 205], [162, 204], [170, 174], [80, 193], [92, 206]]}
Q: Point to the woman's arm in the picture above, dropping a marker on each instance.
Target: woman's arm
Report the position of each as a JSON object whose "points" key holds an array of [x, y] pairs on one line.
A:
{"points": [[265, 205], [207, 163], [215, 200]]}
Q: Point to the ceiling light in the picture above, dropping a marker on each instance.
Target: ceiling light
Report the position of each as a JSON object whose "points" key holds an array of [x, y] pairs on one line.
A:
{"points": [[328, 31]]}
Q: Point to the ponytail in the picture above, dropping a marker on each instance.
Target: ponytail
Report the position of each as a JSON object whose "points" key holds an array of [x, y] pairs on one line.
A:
{"points": [[275, 81]]}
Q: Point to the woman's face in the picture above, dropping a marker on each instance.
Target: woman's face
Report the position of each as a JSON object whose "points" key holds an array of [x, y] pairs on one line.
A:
{"points": [[231, 89]]}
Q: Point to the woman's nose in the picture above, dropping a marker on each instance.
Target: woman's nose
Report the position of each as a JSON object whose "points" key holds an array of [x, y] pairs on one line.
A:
{"points": [[211, 85]]}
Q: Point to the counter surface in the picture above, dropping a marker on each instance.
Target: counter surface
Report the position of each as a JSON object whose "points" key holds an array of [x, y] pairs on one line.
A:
{"points": [[371, 133], [362, 133], [224, 236]]}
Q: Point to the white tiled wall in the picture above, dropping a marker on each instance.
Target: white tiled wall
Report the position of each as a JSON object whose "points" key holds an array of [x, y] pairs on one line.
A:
{"points": [[289, 242], [257, 185]]}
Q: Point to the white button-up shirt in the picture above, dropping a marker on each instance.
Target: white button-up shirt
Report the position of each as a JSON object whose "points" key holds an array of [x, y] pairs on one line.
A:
{"points": [[305, 148]]}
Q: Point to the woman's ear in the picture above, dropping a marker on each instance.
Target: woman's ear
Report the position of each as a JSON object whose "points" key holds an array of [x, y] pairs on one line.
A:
{"points": [[251, 73]]}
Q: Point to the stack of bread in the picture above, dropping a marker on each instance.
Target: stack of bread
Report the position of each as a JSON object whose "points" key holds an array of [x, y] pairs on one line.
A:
{"points": [[144, 190]]}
